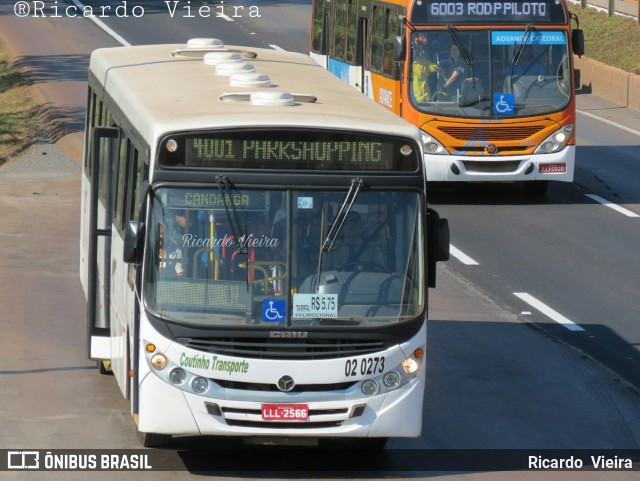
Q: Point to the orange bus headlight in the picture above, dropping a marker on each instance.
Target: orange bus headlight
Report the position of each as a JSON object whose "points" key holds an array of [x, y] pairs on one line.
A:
{"points": [[556, 141], [432, 145]]}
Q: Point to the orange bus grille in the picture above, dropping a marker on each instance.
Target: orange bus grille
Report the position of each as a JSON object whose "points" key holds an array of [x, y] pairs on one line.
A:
{"points": [[481, 150], [491, 134]]}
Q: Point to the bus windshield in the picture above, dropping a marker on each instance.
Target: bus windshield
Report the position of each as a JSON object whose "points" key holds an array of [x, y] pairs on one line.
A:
{"points": [[490, 73], [246, 257]]}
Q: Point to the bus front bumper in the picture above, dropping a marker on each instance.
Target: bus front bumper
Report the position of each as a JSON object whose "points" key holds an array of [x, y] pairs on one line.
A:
{"points": [[393, 414], [558, 166]]}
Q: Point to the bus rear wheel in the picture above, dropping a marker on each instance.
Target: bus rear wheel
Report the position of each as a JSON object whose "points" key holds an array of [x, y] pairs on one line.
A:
{"points": [[153, 440]]}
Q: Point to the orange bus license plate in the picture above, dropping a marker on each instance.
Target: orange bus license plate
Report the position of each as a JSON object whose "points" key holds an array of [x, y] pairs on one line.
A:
{"points": [[553, 168], [285, 412]]}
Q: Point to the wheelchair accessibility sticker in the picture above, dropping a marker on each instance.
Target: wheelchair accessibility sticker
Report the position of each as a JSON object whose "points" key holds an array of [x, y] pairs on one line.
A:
{"points": [[503, 104], [274, 310]]}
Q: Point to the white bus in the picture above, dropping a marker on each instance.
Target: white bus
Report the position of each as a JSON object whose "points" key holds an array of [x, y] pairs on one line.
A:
{"points": [[256, 247]]}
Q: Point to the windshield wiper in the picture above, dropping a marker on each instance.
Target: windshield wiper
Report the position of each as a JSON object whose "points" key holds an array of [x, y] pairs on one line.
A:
{"points": [[234, 222], [463, 51], [475, 101], [517, 52], [345, 208]]}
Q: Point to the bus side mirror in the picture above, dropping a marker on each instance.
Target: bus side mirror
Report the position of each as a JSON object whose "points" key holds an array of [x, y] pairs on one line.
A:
{"points": [[437, 243], [133, 242], [577, 41], [398, 49]]}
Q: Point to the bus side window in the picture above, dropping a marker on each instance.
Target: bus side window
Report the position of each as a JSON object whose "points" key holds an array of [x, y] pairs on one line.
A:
{"points": [[119, 212], [376, 54], [391, 27], [137, 174], [317, 44]]}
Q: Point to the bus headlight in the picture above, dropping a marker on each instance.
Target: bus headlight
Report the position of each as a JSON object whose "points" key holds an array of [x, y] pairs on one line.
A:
{"points": [[391, 379], [370, 388], [432, 145], [200, 385], [556, 141], [159, 361], [410, 365], [177, 376]]}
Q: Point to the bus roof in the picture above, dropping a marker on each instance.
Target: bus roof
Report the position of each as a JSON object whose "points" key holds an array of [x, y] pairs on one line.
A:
{"points": [[159, 93]]}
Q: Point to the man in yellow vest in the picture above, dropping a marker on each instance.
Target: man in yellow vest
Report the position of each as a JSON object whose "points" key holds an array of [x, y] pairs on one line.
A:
{"points": [[421, 68]]}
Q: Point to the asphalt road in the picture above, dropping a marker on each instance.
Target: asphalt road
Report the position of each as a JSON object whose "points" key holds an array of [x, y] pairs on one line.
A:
{"points": [[567, 252], [501, 373]]}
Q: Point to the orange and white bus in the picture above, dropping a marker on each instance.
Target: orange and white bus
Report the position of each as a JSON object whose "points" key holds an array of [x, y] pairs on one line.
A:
{"points": [[490, 84]]}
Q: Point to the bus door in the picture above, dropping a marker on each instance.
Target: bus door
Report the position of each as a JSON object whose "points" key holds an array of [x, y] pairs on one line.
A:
{"points": [[104, 152]]}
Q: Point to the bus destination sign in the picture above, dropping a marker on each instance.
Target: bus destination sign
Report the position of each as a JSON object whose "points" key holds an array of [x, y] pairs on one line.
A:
{"points": [[282, 150], [487, 12], [203, 151]]}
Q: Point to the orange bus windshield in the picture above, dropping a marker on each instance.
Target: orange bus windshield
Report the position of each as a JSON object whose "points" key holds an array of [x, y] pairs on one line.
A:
{"points": [[489, 72]]}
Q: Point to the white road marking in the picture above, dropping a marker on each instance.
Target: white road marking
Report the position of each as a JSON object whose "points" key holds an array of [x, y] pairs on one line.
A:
{"points": [[610, 122], [275, 47], [102, 25], [547, 311], [461, 256], [611, 205]]}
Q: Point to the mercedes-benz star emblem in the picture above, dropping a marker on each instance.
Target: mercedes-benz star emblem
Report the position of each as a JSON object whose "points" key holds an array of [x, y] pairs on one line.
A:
{"points": [[286, 383], [491, 149]]}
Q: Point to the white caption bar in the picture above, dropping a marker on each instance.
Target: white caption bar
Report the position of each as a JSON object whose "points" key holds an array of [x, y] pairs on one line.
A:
{"points": [[611, 205], [547, 311], [461, 256]]}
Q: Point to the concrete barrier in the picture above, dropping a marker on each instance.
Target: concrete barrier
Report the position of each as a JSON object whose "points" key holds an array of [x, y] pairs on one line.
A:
{"points": [[609, 83], [634, 92]]}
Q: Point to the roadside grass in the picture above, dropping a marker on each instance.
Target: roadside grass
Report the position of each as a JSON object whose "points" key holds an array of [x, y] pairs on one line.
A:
{"points": [[612, 40], [18, 112]]}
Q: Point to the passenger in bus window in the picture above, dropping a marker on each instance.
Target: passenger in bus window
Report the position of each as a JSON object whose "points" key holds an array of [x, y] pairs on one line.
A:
{"points": [[422, 69], [171, 238], [355, 250], [387, 61], [449, 90]]}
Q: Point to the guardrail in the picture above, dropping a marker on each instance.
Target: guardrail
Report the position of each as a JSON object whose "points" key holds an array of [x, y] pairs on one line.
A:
{"points": [[629, 8]]}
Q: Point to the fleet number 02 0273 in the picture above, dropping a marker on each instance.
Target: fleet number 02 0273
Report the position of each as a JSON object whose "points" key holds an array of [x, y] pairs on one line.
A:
{"points": [[365, 366]]}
